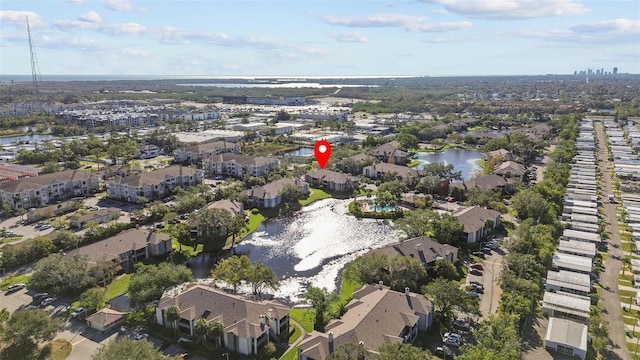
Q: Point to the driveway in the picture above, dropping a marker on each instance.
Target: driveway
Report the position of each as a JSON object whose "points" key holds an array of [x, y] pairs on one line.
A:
{"points": [[85, 341]]}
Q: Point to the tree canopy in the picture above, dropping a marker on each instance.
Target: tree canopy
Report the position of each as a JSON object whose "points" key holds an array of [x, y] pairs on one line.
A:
{"points": [[448, 297], [236, 270], [66, 274], [125, 348], [149, 281], [28, 327]]}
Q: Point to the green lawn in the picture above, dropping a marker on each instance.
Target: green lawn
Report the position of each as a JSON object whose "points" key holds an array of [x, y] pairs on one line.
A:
{"points": [[189, 251], [10, 280], [413, 163], [626, 246], [316, 194], [254, 222], [10, 239], [304, 317], [292, 354], [117, 287]]}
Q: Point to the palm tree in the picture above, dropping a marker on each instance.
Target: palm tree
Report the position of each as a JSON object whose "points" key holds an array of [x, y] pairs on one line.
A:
{"points": [[173, 315], [201, 328], [626, 261]]}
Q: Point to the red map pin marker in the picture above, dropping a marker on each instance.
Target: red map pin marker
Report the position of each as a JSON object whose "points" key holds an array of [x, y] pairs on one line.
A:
{"points": [[322, 150]]}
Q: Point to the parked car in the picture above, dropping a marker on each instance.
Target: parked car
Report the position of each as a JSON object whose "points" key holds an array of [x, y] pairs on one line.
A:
{"points": [[444, 351], [476, 272], [37, 298], [474, 293], [141, 336], [79, 311], [477, 283], [486, 250], [476, 266], [461, 325], [15, 287], [453, 335], [474, 286], [452, 342], [479, 254], [47, 301], [476, 289]]}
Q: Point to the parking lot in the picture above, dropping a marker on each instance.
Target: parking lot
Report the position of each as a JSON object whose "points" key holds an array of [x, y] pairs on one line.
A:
{"points": [[489, 277]]}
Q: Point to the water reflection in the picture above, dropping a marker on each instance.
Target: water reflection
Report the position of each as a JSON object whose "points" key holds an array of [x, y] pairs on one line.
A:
{"points": [[313, 246], [464, 160]]}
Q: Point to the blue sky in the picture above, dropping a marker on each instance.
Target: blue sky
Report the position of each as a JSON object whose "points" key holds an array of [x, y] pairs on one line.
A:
{"points": [[320, 37]]}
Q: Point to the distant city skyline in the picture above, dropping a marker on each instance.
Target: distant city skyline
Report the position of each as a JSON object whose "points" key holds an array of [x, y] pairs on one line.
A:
{"points": [[320, 38]]}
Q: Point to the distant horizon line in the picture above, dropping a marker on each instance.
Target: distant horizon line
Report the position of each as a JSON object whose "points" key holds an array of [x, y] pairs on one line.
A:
{"points": [[28, 77]]}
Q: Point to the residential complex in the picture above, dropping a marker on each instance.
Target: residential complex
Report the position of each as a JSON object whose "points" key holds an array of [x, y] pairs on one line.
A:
{"points": [[44, 189], [237, 165], [153, 185], [269, 195], [191, 154], [332, 180], [247, 323]]}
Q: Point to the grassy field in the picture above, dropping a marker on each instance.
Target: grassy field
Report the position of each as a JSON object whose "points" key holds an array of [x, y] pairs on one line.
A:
{"points": [[189, 251], [316, 194], [304, 317], [58, 349], [10, 280], [117, 287]]}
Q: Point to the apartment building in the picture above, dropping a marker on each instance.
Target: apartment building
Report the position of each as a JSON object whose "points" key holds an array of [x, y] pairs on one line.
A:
{"points": [[153, 185], [41, 190], [194, 153], [237, 165]]}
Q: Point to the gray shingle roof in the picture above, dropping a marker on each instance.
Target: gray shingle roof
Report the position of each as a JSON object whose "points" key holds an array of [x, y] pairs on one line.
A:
{"points": [[38, 182], [156, 176]]}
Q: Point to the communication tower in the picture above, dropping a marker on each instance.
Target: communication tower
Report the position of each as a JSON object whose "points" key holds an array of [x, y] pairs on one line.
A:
{"points": [[35, 70]]}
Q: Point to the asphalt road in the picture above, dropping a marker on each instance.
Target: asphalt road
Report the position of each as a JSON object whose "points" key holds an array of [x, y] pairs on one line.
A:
{"points": [[609, 277]]}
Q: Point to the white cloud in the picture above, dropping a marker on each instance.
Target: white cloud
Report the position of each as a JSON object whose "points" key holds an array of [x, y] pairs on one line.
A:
{"points": [[350, 37], [137, 53], [407, 22], [73, 25], [120, 5], [614, 31], [615, 26], [124, 28], [19, 18], [91, 16], [77, 2], [511, 9]]}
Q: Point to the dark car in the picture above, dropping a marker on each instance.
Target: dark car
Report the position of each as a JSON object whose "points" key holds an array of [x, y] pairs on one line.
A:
{"points": [[476, 289], [476, 272], [477, 266], [443, 351], [479, 254], [486, 250], [476, 283], [37, 298]]}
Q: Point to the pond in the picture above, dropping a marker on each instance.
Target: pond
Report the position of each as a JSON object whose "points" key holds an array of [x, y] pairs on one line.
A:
{"points": [[300, 152], [26, 138], [313, 246], [464, 160]]}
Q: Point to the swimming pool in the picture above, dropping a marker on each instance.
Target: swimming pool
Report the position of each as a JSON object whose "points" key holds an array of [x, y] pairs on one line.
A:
{"points": [[382, 208]]}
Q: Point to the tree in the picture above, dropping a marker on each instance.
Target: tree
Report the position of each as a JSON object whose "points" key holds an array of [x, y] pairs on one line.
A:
{"points": [[260, 277], [93, 298], [201, 328], [408, 141], [291, 196], [402, 351], [442, 171], [415, 223], [530, 204], [30, 327], [599, 331], [348, 351], [50, 167], [173, 315], [62, 274], [446, 269], [212, 223], [126, 348], [405, 271], [320, 300], [395, 187], [447, 297], [149, 281], [182, 233], [282, 115], [497, 338], [446, 229], [235, 227], [232, 270]]}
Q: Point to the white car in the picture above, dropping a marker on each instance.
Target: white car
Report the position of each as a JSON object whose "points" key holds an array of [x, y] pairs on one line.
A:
{"points": [[79, 311], [15, 287], [454, 336]]}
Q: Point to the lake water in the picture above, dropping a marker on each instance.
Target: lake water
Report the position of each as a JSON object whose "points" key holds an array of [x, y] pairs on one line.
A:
{"points": [[300, 152], [30, 138], [313, 246], [464, 160]]}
